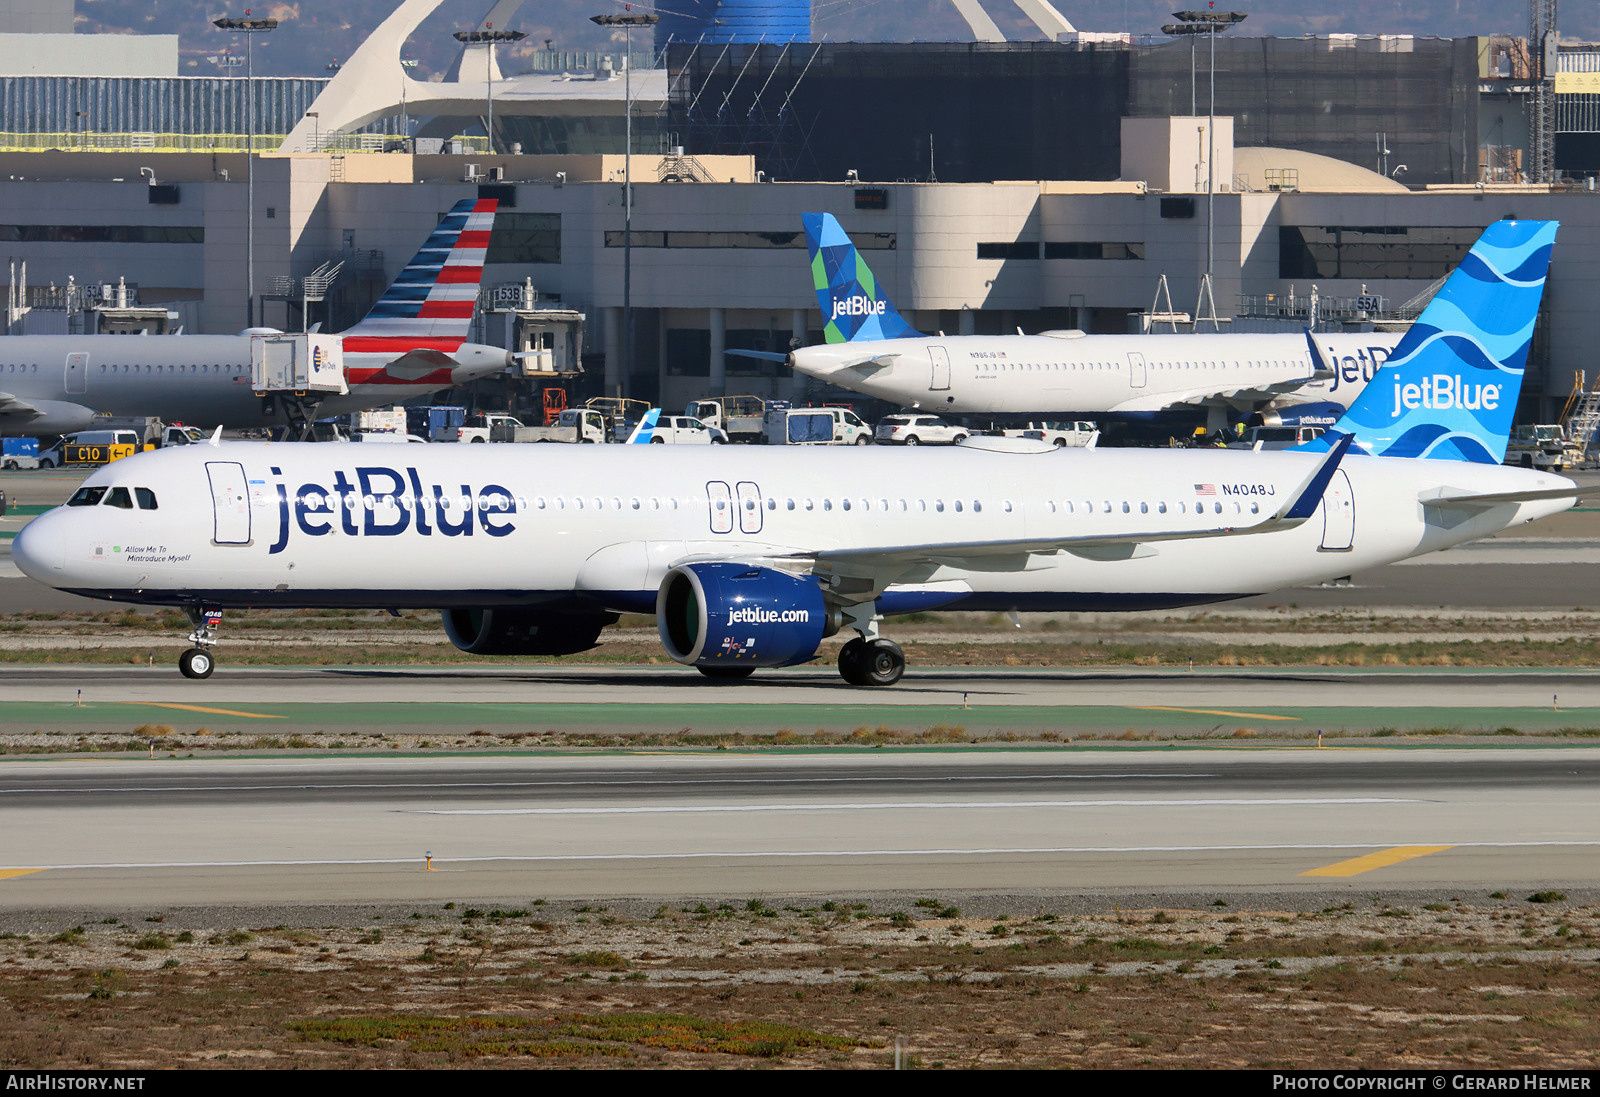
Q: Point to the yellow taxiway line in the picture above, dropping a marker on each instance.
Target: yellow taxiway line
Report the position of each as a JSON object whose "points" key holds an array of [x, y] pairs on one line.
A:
{"points": [[7, 873], [1382, 859], [1212, 712], [213, 711]]}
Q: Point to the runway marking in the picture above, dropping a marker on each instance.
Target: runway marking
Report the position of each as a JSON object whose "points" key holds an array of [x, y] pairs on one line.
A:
{"points": [[213, 711], [1382, 859], [8, 873], [916, 805], [986, 851], [1211, 712]]}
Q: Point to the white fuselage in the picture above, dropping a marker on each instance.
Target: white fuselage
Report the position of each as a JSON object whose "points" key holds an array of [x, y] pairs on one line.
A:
{"points": [[1070, 373], [199, 379], [254, 524]]}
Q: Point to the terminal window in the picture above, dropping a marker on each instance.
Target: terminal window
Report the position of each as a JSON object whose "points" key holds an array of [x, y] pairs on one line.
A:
{"points": [[525, 238], [1009, 249], [1065, 249], [103, 234], [648, 238], [1372, 251]]}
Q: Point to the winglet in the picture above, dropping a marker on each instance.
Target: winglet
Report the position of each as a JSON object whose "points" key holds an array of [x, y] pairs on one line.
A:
{"points": [[1305, 504], [646, 427], [1321, 370]]}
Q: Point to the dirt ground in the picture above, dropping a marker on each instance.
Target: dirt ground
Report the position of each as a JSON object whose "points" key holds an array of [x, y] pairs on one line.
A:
{"points": [[1474, 982]]}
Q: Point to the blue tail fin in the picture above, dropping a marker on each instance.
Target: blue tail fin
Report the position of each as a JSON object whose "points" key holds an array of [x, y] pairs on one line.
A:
{"points": [[1450, 388], [853, 306]]}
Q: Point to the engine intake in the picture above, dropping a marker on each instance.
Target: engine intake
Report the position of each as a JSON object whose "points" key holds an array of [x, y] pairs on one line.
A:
{"points": [[730, 615], [502, 631]]}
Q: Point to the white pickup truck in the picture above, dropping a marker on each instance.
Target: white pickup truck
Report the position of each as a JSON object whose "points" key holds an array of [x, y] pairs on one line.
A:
{"points": [[574, 425], [1064, 432]]}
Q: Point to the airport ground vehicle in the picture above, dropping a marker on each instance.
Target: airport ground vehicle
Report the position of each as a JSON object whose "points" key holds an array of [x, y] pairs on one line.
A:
{"points": [[19, 453], [816, 427], [685, 430], [1540, 446], [572, 425], [917, 430], [1063, 432], [437, 423], [741, 418], [1276, 437], [91, 447]]}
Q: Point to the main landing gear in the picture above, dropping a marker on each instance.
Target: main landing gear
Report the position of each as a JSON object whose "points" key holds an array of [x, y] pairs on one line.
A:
{"points": [[198, 662], [869, 660]]}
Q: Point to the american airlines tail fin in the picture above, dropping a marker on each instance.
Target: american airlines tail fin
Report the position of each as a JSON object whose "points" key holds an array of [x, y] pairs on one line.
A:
{"points": [[435, 295], [1449, 389], [853, 306]]}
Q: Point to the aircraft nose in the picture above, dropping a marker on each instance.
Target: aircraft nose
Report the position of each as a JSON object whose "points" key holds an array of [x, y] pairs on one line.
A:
{"points": [[35, 552]]}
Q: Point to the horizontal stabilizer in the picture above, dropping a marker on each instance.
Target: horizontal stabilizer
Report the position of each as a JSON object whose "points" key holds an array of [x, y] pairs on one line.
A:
{"points": [[1453, 499], [764, 355]]}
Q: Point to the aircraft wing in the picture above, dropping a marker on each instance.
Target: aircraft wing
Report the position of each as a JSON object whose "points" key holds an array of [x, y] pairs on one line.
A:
{"points": [[859, 574], [14, 411], [1244, 398]]}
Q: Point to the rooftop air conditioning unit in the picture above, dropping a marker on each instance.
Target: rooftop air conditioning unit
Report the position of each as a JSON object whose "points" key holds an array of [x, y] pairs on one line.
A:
{"points": [[473, 173]]}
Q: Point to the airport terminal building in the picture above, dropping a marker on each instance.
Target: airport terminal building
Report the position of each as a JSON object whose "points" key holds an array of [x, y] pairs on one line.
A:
{"points": [[993, 243]]}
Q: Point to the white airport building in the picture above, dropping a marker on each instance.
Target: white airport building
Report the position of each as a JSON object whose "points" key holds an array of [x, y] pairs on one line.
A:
{"points": [[718, 258]]}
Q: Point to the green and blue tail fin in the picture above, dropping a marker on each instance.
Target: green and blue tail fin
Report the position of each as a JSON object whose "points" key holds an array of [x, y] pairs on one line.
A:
{"points": [[853, 305]]}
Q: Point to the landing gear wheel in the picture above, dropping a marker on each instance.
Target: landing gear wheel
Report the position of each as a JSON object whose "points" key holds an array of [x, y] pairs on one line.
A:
{"points": [[882, 663], [871, 663], [196, 663], [727, 672]]}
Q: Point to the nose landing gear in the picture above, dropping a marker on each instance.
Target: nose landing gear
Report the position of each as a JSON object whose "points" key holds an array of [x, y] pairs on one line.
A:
{"points": [[198, 662]]}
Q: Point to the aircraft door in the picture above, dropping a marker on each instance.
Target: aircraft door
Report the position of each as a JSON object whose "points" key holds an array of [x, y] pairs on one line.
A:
{"points": [[721, 501], [77, 378], [940, 379], [230, 501], [1136, 370], [1338, 514], [749, 507]]}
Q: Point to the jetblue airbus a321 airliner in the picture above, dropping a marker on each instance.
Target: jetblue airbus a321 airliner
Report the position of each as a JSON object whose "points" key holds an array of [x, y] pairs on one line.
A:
{"points": [[750, 560]]}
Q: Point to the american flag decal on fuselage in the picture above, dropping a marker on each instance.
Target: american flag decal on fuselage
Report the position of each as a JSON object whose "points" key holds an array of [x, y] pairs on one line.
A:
{"points": [[1205, 489], [429, 307]]}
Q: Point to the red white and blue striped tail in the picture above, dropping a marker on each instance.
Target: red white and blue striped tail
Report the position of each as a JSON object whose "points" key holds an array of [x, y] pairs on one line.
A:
{"points": [[433, 299]]}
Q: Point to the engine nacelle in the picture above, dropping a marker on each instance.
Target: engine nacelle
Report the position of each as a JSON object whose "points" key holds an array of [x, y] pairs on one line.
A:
{"points": [[508, 631], [1320, 413], [733, 615]]}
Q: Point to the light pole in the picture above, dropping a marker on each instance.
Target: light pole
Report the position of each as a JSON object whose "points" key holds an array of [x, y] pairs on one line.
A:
{"points": [[490, 36], [248, 27], [1209, 23], [627, 22]]}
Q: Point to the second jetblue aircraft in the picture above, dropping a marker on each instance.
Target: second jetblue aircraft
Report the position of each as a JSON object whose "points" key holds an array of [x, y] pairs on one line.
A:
{"points": [[870, 348]]}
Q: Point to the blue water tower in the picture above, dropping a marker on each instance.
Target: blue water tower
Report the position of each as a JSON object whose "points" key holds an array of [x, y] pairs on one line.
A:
{"points": [[735, 21]]}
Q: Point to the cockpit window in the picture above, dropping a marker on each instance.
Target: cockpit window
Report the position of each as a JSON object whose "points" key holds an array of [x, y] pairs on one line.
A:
{"points": [[86, 497], [146, 497], [119, 497]]}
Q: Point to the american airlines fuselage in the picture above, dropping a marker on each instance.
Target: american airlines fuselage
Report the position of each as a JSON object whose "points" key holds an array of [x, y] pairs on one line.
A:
{"points": [[1073, 373], [201, 379]]}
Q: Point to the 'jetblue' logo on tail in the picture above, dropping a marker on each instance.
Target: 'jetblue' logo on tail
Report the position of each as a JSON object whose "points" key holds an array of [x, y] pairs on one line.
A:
{"points": [[853, 306], [857, 306], [1442, 392], [1450, 387]]}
